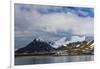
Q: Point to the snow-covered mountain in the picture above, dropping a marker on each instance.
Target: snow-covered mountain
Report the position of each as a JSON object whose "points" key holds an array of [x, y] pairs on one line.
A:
{"points": [[59, 42], [63, 41], [38, 45]]}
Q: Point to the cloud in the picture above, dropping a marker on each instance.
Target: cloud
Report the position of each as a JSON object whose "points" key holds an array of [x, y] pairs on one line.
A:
{"points": [[31, 23], [65, 22]]}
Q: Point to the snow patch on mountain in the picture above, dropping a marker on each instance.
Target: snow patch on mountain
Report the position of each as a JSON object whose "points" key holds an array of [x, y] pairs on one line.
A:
{"points": [[63, 41], [59, 42]]}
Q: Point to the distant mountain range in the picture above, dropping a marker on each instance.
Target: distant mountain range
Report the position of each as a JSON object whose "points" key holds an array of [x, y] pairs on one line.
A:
{"points": [[38, 45]]}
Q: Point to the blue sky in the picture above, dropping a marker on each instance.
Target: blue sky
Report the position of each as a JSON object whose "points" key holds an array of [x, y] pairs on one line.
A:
{"points": [[82, 12], [51, 22]]}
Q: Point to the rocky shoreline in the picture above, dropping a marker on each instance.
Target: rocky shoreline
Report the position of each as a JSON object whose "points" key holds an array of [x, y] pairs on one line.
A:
{"points": [[56, 53]]}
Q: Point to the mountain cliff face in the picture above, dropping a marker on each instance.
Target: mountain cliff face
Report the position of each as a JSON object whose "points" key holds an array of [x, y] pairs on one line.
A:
{"points": [[36, 46]]}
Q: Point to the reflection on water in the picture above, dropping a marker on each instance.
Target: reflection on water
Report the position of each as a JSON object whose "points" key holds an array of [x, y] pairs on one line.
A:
{"points": [[51, 59]]}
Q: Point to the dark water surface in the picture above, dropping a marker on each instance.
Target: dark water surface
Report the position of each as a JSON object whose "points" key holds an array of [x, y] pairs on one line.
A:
{"points": [[51, 59]]}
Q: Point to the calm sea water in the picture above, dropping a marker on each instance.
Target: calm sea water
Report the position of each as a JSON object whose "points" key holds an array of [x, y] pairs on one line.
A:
{"points": [[51, 59]]}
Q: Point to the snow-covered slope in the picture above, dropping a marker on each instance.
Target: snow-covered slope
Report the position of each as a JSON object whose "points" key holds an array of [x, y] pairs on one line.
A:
{"points": [[63, 41], [59, 42]]}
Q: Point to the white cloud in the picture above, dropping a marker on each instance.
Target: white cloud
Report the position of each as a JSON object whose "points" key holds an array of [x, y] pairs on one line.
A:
{"points": [[65, 22], [31, 23]]}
